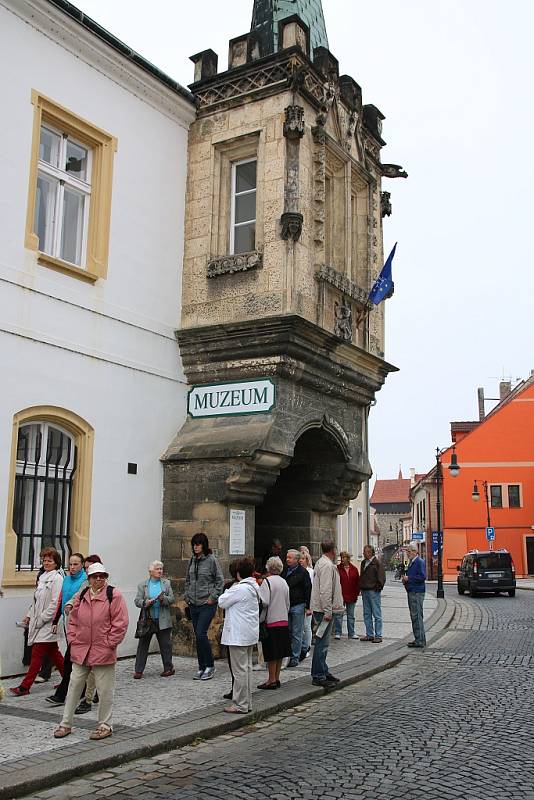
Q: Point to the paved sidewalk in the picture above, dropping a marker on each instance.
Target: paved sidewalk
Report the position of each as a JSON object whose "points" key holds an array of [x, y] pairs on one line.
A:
{"points": [[157, 713]]}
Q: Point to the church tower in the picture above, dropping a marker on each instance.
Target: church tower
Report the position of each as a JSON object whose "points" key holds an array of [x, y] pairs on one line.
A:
{"points": [[283, 240]]}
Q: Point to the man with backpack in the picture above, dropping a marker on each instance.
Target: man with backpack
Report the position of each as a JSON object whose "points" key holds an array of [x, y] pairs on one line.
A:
{"points": [[97, 625]]}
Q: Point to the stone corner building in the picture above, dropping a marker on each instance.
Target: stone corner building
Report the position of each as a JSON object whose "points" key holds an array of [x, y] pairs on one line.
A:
{"points": [[283, 239]]}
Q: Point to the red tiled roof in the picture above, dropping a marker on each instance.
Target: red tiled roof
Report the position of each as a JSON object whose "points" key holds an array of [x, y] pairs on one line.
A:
{"points": [[394, 491]]}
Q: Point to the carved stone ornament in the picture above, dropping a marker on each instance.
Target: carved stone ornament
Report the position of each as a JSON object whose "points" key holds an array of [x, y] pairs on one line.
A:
{"points": [[294, 122], [392, 171], [240, 262], [291, 222], [385, 204], [339, 281], [343, 320]]}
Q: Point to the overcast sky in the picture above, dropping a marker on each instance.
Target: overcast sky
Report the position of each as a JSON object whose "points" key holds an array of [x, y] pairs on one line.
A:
{"points": [[454, 80]]}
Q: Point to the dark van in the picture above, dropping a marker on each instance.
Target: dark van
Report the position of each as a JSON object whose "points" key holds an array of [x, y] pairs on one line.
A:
{"points": [[486, 571]]}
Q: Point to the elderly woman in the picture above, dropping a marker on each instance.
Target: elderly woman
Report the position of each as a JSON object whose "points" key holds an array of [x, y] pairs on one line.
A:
{"points": [[305, 560], [204, 584], [274, 594], [97, 625], [42, 633], [155, 595], [240, 632], [350, 588]]}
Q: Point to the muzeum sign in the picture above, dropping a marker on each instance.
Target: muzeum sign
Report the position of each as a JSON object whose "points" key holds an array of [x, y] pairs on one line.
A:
{"points": [[223, 399]]}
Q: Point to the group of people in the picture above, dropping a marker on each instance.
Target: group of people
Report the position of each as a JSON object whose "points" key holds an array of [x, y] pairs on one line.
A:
{"points": [[272, 609]]}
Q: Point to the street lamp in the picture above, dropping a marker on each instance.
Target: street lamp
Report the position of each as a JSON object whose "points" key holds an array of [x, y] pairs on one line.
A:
{"points": [[476, 497], [454, 469]]}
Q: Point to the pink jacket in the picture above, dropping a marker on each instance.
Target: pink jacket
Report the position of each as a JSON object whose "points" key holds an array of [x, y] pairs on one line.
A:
{"points": [[96, 628]]}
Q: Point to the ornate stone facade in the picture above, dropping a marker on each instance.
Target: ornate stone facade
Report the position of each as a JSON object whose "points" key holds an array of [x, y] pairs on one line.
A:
{"points": [[293, 308]]}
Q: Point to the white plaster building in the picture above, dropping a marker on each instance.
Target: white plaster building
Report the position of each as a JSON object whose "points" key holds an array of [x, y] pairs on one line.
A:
{"points": [[93, 163]]}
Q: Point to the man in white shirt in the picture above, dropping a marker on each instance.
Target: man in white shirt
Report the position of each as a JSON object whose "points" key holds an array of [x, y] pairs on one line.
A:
{"points": [[326, 601]]}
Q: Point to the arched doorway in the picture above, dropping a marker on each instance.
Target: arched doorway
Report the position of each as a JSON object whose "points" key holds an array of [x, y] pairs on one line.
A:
{"points": [[302, 505]]}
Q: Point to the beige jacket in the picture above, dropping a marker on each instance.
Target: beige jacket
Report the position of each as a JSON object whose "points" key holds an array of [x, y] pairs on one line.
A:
{"points": [[43, 608], [326, 593]]}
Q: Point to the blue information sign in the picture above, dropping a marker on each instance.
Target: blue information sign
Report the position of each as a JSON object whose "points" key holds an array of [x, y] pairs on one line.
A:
{"points": [[435, 543], [418, 536], [490, 534]]}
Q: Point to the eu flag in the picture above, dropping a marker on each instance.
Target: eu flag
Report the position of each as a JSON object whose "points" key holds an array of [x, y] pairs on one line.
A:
{"points": [[383, 286]]}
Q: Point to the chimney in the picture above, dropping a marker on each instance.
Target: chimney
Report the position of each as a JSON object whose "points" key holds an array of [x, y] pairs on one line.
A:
{"points": [[412, 476], [505, 387], [481, 409]]}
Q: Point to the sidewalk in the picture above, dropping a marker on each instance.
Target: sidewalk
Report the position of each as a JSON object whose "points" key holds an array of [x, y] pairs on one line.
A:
{"points": [[157, 714], [525, 583]]}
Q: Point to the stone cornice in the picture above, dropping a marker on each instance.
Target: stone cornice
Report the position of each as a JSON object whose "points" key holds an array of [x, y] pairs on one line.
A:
{"points": [[239, 262], [48, 18], [288, 347]]}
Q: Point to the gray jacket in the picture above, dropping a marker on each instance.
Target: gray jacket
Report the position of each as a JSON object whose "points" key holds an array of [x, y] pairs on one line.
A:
{"points": [[165, 619], [204, 580]]}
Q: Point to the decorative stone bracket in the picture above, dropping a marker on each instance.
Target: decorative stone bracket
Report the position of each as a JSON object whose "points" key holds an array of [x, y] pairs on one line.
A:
{"points": [[291, 222], [344, 284], [239, 262]]}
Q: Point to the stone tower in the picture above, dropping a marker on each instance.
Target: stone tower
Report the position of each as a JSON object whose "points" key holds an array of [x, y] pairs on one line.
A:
{"points": [[283, 239]]}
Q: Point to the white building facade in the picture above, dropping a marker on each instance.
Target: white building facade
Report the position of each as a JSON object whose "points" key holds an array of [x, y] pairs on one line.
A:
{"points": [[93, 153]]}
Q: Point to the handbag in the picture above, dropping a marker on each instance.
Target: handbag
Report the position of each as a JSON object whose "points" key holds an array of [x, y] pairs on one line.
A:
{"points": [[145, 624], [264, 630]]}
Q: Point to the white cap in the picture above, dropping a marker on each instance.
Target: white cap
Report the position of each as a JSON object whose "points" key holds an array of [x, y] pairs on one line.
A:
{"points": [[97, 569]]}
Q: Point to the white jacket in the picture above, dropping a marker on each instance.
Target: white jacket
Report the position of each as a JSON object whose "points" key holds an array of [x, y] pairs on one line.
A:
{"points": [[241, 613], [44, 607], [326, 593]]}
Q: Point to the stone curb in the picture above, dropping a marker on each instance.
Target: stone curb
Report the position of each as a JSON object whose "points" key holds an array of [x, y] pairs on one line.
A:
{"points": [[39, 773]]}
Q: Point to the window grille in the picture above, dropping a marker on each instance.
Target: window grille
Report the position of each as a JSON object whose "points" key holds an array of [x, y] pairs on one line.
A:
{"points": [[45, 470]]}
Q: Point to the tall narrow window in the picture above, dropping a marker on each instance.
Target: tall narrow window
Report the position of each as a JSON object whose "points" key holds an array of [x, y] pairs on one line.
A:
{"points": [[514, 498], [243, 210], [496, 496], [45, 469], [63, 195]]}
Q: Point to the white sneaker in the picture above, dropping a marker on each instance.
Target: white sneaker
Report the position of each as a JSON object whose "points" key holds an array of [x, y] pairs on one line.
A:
{"points": [[337, 636], [40, 679], [354, 636], [208, 674], [198, 674]]}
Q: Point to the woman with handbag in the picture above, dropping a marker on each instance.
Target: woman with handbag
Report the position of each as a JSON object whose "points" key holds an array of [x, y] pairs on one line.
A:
{"points": [[155, 598], [276, 644]]}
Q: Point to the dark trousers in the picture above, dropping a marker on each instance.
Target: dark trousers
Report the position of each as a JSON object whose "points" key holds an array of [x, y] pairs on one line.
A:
{"points": [[165, 648], [201, 617], [62, 689], [39, 651]]}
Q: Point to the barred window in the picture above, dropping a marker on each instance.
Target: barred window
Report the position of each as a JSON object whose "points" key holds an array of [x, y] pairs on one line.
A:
{"points": [[45, 470]]}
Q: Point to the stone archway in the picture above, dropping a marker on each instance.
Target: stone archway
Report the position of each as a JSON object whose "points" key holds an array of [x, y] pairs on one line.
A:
{"points": [[302, 504]]}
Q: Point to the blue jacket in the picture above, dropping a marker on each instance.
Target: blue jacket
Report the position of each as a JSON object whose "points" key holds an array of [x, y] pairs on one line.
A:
{"points": [[416, 573]]}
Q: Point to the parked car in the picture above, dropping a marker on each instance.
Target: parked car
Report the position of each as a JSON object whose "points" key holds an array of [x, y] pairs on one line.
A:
{"points": [[487, 571]]}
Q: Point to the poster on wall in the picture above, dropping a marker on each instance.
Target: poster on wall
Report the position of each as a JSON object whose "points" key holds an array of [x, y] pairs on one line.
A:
{"points": [[237, 532]]}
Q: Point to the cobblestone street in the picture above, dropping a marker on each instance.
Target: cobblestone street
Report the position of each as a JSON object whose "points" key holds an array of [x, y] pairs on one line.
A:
{"points": [[452, 721]]}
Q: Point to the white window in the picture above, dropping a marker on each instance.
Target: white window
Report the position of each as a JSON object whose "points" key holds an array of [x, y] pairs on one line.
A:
{"points": [[359, 533], [45, 467], [243, 207], [63, 196]]}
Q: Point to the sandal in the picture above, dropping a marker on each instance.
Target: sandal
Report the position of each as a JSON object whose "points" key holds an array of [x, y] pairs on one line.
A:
{"points": [[102, 732], [61, 732]]}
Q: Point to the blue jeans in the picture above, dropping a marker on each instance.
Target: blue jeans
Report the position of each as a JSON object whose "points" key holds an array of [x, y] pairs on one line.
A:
{"points": [[296, 628], [319, 669], [338, 620], [201, 617], [372, 610], [415, 606]]}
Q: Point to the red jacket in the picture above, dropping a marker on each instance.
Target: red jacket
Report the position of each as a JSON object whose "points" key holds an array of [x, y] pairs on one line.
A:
{"points": [[350, 584]]}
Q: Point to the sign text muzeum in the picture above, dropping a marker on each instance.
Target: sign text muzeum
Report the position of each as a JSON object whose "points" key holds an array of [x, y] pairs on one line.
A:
{"points": [[221, 399]]}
